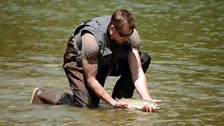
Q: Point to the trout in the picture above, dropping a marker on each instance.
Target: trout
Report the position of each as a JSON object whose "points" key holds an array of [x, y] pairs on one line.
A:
{"points": [[138, 103]]}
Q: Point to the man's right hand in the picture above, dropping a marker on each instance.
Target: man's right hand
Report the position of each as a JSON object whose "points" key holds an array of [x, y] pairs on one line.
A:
{"points": [[121, 105]]}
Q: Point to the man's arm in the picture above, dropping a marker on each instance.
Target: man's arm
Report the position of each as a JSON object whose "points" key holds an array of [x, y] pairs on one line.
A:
{"points": [[139, 79], [138, 75], [90, 67], [90, 71]]}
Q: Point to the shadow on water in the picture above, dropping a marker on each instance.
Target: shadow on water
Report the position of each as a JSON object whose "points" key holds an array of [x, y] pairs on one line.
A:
{"points": [[184, 38]]}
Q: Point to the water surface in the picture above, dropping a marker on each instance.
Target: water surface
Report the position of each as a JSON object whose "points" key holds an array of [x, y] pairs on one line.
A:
{"points": [[184, 38]]}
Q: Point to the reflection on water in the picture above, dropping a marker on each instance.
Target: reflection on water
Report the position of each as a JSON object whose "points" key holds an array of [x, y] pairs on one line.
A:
{"points": [[185, 40]]}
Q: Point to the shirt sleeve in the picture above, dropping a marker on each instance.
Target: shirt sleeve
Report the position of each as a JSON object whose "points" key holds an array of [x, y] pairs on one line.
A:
{"points": [[135, 40], [90, 47]]}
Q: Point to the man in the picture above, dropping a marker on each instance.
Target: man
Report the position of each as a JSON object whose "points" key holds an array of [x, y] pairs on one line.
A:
{"points": [[100, 47]]}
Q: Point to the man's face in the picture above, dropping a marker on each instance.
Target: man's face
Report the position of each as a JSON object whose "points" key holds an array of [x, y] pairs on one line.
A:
{"points": [[122, 35]]}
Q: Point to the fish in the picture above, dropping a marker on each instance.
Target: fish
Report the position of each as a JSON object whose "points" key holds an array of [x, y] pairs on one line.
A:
{"points": [[138, 103]]}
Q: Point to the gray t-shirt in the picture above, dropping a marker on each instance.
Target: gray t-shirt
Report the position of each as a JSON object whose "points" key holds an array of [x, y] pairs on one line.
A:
{"points": [[91, 49]]}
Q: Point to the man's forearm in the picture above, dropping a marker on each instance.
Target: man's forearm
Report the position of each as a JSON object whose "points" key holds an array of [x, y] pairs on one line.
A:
{"points": [[138, 76], [95, 86], [142, 87], [90, 72]]}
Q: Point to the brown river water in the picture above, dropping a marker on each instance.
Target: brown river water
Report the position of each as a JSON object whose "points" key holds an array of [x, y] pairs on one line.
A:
{"points": [[185, 39]]}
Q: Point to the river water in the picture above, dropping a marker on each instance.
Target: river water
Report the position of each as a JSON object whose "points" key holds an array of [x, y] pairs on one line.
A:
{"points": [[185, 39]]}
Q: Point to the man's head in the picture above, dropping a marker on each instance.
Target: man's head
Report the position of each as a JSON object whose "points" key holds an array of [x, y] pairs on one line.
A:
{"points": [[122, 25]]}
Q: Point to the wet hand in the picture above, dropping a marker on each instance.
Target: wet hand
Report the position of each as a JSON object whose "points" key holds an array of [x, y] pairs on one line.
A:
{"points": [[121, 105], [150, 108]]}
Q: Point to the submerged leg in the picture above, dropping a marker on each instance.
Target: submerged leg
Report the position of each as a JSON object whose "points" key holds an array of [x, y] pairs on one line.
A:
{"points": [[40, 96]]}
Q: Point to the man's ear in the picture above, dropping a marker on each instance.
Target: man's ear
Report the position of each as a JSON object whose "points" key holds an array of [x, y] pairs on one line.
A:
{"points": [[112, 27]]}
